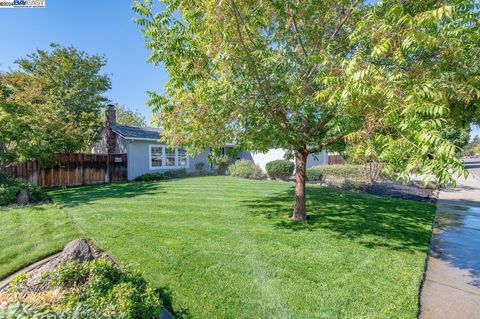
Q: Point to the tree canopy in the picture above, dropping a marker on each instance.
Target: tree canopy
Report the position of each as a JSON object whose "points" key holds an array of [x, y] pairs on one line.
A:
{"points": [[309, 75], [51, 104], [126, 116]]}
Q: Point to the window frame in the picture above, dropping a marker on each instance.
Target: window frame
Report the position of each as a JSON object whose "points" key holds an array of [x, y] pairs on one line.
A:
{"points": [[177, 157], [164, 162], [150, 157]]}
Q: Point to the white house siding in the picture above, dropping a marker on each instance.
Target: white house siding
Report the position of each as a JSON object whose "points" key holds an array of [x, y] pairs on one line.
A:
{"points": [[317, 159], [100, 147], [262, 159]]}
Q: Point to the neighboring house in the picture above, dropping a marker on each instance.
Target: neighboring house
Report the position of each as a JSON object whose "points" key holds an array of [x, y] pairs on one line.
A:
{"points": [[145, 154]]}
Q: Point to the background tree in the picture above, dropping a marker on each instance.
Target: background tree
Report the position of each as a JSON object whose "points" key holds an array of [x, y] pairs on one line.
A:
{"points": [[308, 75], [473, 147], [126, 116], [52, 104], [413, 80]]}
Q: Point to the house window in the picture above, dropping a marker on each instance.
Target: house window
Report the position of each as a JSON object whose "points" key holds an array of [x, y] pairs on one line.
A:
{"points": [[182, 157], [156, 155], [162, 156], [170, 156]]}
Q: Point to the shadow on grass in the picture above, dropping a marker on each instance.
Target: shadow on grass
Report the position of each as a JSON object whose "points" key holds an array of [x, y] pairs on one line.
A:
{"points": [[34, 207], [372, 221], [165, 294], [84, 194]]}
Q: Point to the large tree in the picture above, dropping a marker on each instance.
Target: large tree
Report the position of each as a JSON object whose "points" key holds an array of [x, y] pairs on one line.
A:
{"points": [[51, 104], [307, 75]]}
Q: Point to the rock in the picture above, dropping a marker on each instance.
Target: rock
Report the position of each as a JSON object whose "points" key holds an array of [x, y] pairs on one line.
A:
{"points": [[77, 249], [23, 198], [166, 314]]}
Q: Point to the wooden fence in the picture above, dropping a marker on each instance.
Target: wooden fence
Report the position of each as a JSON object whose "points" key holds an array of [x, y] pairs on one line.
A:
{"points": [[335, 159], [73, 169]]}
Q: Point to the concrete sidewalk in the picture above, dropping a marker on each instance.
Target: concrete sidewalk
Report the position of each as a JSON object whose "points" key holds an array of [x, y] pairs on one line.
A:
{"points": [[452, 284]]}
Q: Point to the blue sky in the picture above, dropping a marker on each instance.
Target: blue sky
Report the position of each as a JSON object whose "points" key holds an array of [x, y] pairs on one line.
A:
{"points": [[99, 27]]}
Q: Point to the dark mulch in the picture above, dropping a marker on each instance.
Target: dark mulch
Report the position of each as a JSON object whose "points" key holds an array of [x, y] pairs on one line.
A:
{"points": [[411, 192]]}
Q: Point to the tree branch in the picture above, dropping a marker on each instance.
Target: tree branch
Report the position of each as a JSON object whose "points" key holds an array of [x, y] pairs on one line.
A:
{"points": [[247, 50], [335, 33], [297, 33], [283, 125], [340, 25]]}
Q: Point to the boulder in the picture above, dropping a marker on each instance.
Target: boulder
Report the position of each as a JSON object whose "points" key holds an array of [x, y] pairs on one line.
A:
{"points": [[77, 249], [23, 198], [166, 314]]}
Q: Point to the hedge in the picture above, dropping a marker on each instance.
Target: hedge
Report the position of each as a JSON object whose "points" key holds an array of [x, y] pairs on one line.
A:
{"points": [[280, 169], [314, 174], [153, 177], [344, 171], [245, 169]]}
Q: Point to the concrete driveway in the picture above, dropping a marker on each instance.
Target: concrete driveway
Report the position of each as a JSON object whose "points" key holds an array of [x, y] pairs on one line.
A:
{"points": [[452, 284]]}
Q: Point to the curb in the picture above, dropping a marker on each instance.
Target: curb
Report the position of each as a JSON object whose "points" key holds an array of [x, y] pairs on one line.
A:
{"points": [[4, 283]]}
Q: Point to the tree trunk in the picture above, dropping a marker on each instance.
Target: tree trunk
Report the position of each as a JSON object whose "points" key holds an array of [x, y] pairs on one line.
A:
{"points": [[300, 210]]}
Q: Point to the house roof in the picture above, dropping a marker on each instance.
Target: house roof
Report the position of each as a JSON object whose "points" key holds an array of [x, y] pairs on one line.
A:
{"points": [[143, 133], [137, 133]]}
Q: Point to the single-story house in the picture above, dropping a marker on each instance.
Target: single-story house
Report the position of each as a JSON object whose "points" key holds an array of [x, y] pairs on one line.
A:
{"points": [[146, 154]]}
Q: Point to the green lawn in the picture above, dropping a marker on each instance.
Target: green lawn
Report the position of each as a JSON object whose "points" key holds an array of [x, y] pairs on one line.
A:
{"points": [[224, 248], [31, 233]]}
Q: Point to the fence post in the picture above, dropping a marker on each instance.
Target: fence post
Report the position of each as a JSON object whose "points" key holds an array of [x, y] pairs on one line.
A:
{"points": [[82, 171]]}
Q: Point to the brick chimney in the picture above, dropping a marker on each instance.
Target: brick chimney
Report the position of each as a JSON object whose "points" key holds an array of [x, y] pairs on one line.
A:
{"points": [[110, 136]]}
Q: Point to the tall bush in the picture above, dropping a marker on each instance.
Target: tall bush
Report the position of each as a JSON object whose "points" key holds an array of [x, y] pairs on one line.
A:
{"points": [[280, 169], [221, 164], [245, 169]]}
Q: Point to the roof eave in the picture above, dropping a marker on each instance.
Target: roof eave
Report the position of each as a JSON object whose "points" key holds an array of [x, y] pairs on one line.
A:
{"points": [[131, 138]]}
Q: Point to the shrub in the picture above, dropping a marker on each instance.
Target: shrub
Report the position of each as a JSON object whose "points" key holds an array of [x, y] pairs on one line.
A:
{"points": [[92, 289], [356, 172], [346, 171], [314, 174], [178, 173], [150, 177], [280, 169], [154, 177], [10, 187], [245, 169], [221, 164], [8, 194]]}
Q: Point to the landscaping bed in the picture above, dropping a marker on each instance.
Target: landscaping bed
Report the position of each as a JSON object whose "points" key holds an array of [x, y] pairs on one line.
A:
{"points": [[81, 283], [397, 190], [352, 177]]}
